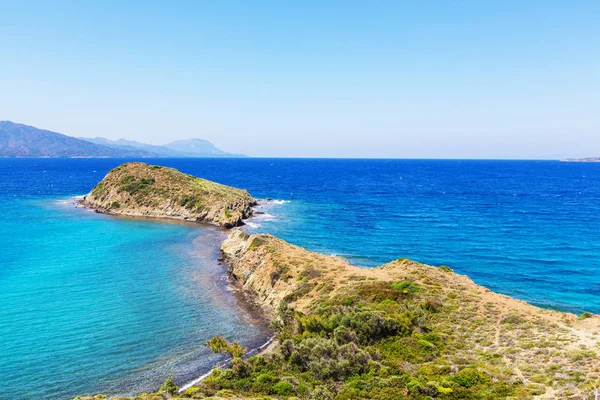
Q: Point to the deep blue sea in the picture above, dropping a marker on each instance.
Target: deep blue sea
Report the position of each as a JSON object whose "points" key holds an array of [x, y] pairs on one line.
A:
{"points": [[93, 303]]}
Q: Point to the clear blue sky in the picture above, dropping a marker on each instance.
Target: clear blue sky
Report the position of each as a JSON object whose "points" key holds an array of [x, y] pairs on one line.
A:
{"points": [[469, 79]]}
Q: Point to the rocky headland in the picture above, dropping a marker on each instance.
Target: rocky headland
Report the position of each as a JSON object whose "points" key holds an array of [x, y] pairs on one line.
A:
{"points": [[403, 330], [142, 190]]}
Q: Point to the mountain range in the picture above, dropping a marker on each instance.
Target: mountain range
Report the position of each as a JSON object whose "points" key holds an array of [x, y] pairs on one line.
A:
{"points": [[18, 140]]}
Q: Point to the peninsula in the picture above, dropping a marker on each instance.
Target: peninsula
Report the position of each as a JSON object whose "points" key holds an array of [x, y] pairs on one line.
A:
{"points": [[403, 330], [141, 190]]}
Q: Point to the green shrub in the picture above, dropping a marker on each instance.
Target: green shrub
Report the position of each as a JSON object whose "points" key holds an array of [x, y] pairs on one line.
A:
{"points": [[406, 287], [147, 181], [586, 315], [189, 201], [115, 204], [127, 180], [131, 186], [469, 377], [282, 388], [265, 383], [219, 344], [513, 319], [168, 386], [445, 268]]}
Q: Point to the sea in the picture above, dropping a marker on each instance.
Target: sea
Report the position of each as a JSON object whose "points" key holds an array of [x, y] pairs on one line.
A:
{"points": [[91, 303]]}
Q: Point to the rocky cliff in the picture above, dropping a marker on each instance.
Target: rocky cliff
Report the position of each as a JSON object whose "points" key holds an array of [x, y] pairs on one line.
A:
{"points": [[139, 189]]}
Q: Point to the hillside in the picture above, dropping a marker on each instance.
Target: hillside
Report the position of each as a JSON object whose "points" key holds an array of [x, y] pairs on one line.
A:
{"points": [[180, 148], [142, 190], [403, 330], [17, 140]]}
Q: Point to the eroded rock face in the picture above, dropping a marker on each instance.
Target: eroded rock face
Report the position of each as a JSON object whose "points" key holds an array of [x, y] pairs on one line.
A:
{"points": [[275, 271], [139, 189], [251, 265]]}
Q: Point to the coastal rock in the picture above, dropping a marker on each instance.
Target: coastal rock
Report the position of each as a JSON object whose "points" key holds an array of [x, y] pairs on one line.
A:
{"points": [[274, 270], [142, 190]]}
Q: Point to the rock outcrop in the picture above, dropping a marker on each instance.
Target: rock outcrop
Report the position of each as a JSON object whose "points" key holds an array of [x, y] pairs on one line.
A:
{"points": [[274, 270], [141, 190]]}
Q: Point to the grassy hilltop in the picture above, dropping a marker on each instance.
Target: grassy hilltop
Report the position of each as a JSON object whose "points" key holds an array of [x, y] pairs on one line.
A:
{"points": [[139, 189]]}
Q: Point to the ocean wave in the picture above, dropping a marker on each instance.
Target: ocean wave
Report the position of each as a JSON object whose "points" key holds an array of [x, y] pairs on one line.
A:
{"points": [[68, 202], [263, 202]]}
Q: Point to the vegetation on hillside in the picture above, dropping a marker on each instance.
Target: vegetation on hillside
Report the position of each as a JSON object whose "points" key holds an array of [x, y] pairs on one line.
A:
{"points": [[139, 189]]}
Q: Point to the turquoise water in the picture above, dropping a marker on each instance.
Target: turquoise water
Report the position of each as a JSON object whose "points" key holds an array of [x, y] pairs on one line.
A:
{"points": [[97, 304], [90, 303]]}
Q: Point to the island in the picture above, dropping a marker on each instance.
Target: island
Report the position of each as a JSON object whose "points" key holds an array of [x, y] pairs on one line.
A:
{"points": [[403, 330], [138, 189]]}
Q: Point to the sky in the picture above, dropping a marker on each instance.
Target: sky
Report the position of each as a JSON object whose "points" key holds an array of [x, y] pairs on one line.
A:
{"points": [[393, 79]]}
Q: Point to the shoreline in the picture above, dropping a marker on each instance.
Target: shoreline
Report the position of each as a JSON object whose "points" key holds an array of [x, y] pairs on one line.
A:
{"points": [[246, 299], [251, 353], [248, 306]]}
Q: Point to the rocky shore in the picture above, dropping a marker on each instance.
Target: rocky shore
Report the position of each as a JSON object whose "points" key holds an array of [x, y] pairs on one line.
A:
{"points": [[403, 330], [141, 190]]}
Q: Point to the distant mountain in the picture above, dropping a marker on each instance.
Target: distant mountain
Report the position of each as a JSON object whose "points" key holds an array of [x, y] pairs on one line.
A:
{"points": [[160, 151], [587, 159], [196, 147], [18, 140], [179, 148]]}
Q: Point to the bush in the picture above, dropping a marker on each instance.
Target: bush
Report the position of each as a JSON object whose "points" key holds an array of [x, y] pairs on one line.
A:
{"points": [[470, 377], [586, 315], [513, 319], [282, 388], [131, 186], [321, 393], [168, 386], [446, 268], [219, 344], [406, 287], [265, 383]]}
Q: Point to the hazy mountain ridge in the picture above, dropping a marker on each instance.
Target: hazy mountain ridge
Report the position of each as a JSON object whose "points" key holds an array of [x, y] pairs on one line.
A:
{"points": [[587, 159], [18, 140], [21, 141], [179, 148]]}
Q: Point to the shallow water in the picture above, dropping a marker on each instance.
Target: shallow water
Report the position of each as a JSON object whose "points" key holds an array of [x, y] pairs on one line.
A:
{"points": [[93, 303]]}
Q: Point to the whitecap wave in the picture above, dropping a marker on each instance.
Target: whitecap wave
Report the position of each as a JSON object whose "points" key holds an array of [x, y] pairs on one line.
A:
{"points": [[69, 202], [265, 202]]}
